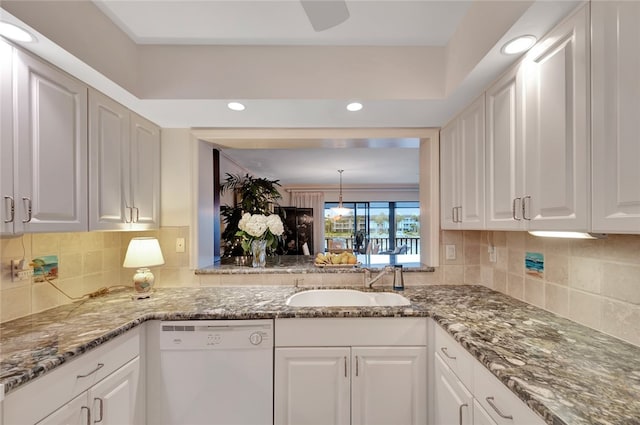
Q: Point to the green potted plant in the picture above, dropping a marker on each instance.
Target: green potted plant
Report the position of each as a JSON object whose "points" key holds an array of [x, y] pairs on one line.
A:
{"points": [[253, 195]]}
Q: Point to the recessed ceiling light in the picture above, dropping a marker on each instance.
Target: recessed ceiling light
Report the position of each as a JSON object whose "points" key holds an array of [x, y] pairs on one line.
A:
{"points": [[235, 106], [519, 45], [15, 33], [354, 106]]}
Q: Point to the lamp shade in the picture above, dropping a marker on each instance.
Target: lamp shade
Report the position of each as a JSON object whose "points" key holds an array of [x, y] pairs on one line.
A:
{"points": [[143, 252]]}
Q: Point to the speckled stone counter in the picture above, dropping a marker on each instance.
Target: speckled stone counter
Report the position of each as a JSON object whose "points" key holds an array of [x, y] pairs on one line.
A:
{"points": [[304, 264], [566, 372]]}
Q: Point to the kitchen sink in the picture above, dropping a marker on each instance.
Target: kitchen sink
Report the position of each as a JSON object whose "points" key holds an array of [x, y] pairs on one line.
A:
{"points": [[345, 298]]}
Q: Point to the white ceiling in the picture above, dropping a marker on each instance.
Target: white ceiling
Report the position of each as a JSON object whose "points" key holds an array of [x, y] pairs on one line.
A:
{"points": [[392, 162], [271, 23], [268, 22]]}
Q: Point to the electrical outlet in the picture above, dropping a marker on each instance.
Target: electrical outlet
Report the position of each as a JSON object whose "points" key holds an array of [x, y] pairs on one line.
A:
{"points": [[20, 271], [493, 254], [450, 253], [179, 244]]}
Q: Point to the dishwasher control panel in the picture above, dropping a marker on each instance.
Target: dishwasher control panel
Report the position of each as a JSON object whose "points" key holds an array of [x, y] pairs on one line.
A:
{"points": [[216, 334]]}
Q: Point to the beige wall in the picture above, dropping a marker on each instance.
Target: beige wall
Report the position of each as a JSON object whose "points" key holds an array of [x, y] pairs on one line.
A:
{"points": [[595, 283], [86, 261], [592, 282]]}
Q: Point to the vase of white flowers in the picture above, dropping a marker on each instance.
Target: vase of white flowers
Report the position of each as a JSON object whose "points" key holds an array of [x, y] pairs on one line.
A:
{"points": [[258, 232]]}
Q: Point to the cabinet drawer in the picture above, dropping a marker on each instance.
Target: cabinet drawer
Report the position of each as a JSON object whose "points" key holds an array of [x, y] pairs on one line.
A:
{"points": [[504, 407], [334, 332], [455, 356], [65, 382]]}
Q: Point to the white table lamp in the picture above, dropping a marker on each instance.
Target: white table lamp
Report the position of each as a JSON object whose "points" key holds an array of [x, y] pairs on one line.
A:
{"points": [[143, 253]]}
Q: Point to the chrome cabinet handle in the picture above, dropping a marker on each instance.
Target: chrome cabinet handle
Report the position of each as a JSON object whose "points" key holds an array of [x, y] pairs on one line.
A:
{"points": [[492, 404], [460, 214], [100, 366], [88, 414], [345, 367], [12, 209], [513, 209], [460, 412], [101, 410], [453, 214], [137, 214], [524, 207], [130, 210], [444, 351], [29, 211], [356, 365]]}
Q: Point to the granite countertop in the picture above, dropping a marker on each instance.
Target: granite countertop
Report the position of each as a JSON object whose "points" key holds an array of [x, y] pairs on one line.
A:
{"points": [[566, 372], [304, 264]]}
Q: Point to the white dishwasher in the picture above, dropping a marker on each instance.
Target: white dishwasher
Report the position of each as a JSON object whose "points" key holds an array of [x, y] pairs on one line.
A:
{"points": [[217, 372]]}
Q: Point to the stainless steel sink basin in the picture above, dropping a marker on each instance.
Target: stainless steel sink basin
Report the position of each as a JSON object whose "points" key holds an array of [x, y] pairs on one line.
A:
{"points": [[345, 298]]}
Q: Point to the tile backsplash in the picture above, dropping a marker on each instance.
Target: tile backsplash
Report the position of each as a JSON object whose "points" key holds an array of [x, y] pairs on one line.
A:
{"points": [[87, 261], [592, 282]]}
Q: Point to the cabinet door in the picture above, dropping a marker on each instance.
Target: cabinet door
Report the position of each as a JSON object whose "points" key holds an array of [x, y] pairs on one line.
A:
{"points": [[75, 412], [471, 170], [453, 402], [449, 155], [389, 385], [6, 140], [108, 163], [615, 67], [312, 386], [504, 154], [556, 136], [145, 173], [480, 416], [116, 398], [51, 187]]}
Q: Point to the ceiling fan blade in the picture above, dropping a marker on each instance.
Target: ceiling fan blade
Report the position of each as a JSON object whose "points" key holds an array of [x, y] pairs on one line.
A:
{"points": [[325, 14]]}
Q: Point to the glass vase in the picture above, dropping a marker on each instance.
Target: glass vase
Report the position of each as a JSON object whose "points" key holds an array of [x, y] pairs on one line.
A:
{"points": [[259, 252]]}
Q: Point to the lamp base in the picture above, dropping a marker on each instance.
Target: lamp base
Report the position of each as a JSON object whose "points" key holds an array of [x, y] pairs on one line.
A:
{"points": [[142, 283]]}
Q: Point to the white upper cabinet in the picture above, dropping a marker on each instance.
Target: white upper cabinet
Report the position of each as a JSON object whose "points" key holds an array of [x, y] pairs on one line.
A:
{"points": [[462, 165], [124, 151], [7, 211], [615, 71], [51, 176], [109, 159], [449, 176], [504, 154], [145, 172], [537, 142], [556, 129]]}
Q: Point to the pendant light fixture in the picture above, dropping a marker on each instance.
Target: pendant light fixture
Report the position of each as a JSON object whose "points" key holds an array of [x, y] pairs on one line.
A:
{"points": [[340, 210]]}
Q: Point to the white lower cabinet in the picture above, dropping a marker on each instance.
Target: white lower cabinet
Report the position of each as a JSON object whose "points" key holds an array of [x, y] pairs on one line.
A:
{"points": [[465, 392], [102, 386], [110, 402], [453, 402], [376, 384], [312, 385]]}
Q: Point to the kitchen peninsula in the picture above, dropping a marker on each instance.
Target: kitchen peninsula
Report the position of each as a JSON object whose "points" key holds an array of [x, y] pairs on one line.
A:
{"points": [[565, 372], [305, 264]]}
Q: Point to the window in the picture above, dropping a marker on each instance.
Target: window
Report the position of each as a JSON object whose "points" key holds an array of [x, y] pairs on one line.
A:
{"points": [[391, 226]]}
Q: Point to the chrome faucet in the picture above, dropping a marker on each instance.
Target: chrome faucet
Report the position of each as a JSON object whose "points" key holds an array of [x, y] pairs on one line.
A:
{"points": [[369, 281]]}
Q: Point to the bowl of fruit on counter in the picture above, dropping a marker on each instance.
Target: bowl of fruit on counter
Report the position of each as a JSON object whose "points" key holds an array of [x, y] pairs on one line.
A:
{"points": [[331, 259]]}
